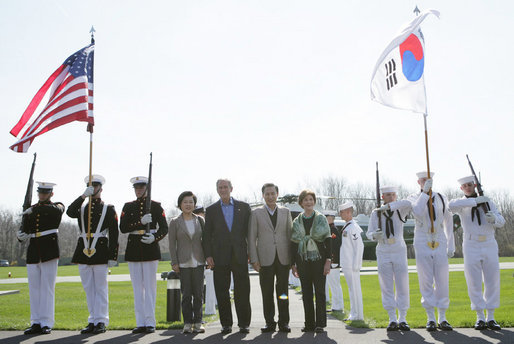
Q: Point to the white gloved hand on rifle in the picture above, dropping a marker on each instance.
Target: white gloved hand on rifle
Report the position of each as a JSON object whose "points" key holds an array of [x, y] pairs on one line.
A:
{"points": [[490, 217], [22, 236], [451, 253], [481, 199], [28, 211], [148, 238], [90, 190], [378, 235], [428, 185], [385, 207], [146, 219]]}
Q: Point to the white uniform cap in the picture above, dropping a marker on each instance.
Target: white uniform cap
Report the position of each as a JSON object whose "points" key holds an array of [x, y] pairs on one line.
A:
{"points": [[386, 189], [346, 205], [466, 179], [45, 186], [95, 178], [423, 174], [139, 180], [329, 213]]}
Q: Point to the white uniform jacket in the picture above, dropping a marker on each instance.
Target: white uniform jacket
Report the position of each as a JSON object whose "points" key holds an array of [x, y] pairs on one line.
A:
{"points": [[352, 247]]}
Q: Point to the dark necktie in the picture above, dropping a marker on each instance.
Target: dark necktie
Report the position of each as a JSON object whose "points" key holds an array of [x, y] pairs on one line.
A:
{"points": [[389, 223]]}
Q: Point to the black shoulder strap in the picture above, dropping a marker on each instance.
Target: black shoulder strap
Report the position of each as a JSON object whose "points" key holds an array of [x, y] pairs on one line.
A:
{"points": [[400, 217], [442, 201]]}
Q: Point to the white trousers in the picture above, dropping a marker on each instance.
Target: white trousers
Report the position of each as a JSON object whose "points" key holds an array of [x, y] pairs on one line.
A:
{"points": [[481, 265], [94, 281], [294, 281], [41, 278], [393, 273], [144, 284], [210, 294], [334, 284], [353, 279], [433, 275]]}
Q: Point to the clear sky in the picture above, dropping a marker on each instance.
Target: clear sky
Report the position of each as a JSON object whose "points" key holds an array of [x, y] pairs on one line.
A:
{"points": [[257, 91]]}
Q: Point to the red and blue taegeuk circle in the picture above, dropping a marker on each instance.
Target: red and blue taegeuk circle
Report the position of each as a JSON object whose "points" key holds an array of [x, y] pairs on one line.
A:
{"points": [[413, 59]]}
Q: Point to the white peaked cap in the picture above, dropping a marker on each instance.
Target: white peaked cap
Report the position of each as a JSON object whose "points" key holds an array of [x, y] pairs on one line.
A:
{"points": [[386, 189], [466, 179], [95, 178], [346, 205], [46, 185], [423, 174], [139, 180]]}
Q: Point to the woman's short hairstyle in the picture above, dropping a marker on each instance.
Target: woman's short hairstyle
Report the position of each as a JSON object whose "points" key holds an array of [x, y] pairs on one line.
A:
{"points": [[304, 194], [184, 195]]}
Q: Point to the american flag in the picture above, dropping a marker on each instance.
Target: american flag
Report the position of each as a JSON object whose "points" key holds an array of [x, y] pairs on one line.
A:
{"points": [[71, 99]]}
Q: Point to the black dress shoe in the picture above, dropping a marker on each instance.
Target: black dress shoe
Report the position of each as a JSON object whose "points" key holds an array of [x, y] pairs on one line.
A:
{"points": [[493, 325], [226, 329], [480, 325], [445, 326], [269, 328], [319, 329], [140, 329], [88, 329], [404, 326], [34, 329], [46, 330], [307, 329], [244, 329], [393, 326], [431, 326], [284, 328], [99, 328], [150, 329]]}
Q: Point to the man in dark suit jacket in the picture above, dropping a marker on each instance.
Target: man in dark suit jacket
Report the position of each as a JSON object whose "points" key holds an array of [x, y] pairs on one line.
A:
{"points": [[225, 246]]}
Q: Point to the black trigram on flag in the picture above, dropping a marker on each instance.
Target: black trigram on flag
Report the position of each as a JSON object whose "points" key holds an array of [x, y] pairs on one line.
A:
{"points": [[390, 74]]}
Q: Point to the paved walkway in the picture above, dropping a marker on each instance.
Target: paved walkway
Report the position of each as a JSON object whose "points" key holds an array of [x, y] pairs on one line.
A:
{"points": [[337, 332]]}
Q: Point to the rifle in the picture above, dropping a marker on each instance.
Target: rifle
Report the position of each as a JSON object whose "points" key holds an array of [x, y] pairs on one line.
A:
{"points": [[480, 191], [149, 194], [28, 194], [379, 213]]}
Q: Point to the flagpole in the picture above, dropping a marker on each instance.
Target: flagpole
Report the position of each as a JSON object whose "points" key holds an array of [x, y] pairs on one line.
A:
{"points": [[430, 207], [90, 129]]}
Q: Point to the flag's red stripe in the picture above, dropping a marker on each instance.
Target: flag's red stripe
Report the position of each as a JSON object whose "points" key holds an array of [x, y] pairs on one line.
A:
{"points": [[35, 101], [63, 84], [70, 103], [65, 93]]}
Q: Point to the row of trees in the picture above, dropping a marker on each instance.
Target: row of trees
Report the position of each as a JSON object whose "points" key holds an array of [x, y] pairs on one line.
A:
{"points": [[333, 191]]}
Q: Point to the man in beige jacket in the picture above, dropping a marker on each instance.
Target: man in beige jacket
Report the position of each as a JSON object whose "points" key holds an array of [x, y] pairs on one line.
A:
{"points": [[269, 245]]}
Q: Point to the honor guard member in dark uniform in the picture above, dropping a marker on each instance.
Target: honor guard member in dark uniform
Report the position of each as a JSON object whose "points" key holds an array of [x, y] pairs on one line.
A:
{"points": [[40, 223], [334, 277], [96, 253], [143, 252]]}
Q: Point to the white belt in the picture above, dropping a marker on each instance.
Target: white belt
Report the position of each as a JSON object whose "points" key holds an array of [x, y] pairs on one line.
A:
{"points": [[390, 241], [480, 238], [43, 233], [143, 231]]}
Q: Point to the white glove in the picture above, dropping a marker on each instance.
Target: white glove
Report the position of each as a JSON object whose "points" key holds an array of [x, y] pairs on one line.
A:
{"points": [[90, 190], [111, 263], [148, 239], [27, 212], [385, 207], [378, 235], [490, 217], [22, 236], [481, 199], [146, 219], [450, 254], [428, 185]]}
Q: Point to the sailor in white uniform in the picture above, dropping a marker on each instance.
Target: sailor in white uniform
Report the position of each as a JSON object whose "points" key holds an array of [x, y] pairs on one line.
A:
{"points": [[392, 255], [334, 277], [350, 257], [480, 218], [433, 246]]}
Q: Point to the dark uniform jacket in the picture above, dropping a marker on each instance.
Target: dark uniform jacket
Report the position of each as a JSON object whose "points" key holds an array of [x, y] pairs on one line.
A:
{"points": [[220, 243], [44, 216], [335, 244], [106, 247], [130, 221]]}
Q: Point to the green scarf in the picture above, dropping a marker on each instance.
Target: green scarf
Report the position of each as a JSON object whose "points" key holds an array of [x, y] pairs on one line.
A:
{"points": [[307, 247]]}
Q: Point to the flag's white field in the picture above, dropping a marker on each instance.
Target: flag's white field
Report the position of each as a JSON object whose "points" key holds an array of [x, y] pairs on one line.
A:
{"points": [[70, 99], [398, 78]]}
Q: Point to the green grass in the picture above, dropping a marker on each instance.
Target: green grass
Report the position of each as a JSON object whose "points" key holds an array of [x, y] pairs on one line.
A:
{"points": [[459, 313]]}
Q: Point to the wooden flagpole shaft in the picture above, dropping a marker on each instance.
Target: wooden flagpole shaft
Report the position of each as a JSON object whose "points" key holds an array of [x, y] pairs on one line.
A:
{"points": [[90, 197], [430, 207]]}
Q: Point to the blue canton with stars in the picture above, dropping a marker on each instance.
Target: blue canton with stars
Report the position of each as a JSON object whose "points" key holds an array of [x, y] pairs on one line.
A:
{"points": [[81, 62]]}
